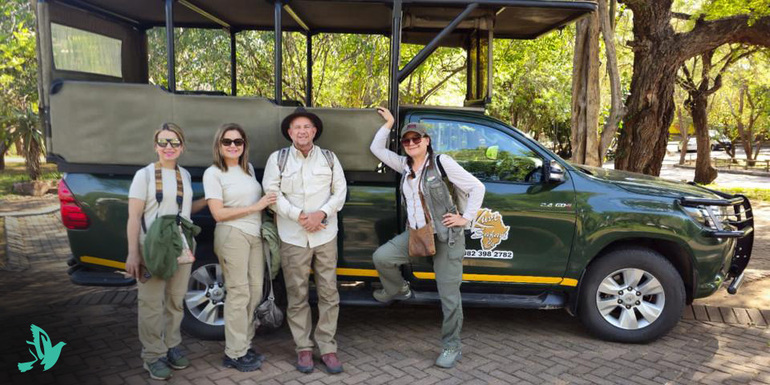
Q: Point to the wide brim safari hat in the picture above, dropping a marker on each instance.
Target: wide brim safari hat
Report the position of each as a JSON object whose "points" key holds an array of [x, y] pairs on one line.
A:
{"points": [[302, 112]]}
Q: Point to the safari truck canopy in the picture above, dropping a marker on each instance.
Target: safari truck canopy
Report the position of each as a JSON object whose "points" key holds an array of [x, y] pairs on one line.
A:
{"points": [[99, 107]]}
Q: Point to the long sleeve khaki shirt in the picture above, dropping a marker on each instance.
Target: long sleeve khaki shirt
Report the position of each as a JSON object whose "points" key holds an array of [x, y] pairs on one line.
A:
{"points": [[305, 185]]}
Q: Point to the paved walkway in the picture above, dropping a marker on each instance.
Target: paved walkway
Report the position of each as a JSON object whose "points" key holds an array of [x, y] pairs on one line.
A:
{"points": [[393, 345]]}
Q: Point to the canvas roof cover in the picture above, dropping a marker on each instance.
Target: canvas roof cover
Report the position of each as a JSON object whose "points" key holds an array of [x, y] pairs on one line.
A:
{"points": [[514, 19]]}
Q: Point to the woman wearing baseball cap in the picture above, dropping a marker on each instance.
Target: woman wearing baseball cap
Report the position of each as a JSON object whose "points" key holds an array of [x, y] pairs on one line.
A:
{"points": [[433, 218]]}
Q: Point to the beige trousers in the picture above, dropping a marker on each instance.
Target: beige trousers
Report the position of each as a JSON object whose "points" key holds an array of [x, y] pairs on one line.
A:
{"points": [[243, 266], [296, 262], [161, 311]]}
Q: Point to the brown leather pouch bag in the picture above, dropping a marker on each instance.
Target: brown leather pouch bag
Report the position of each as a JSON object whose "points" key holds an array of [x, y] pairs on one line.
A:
{"points": [[422, 242]]}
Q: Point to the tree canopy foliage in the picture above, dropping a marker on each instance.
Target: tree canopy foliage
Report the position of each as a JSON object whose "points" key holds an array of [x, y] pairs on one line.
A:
{"points": [[18, 81], [532, 78]]}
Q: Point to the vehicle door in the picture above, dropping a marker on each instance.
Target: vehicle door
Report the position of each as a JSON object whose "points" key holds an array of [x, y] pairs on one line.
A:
{"points": [[523, 233]]}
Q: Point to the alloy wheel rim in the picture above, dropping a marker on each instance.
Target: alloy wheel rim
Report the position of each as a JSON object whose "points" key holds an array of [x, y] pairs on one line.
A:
{"points": [[205, 297], [630, 299]]}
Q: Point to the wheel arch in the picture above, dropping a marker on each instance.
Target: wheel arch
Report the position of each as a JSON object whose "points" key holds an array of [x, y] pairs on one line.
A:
{"points": [[674, 252]]}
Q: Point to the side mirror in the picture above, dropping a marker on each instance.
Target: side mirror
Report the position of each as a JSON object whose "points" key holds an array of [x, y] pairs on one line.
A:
{"points": [[554, 173]]}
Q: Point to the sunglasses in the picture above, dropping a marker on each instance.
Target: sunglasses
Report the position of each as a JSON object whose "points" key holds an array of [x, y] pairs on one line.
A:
{"points": [[415, 140], [175, 143], [237, 142]]}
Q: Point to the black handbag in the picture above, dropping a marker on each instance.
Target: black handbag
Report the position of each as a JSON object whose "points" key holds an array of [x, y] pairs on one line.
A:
{"points": [[268, 313]]}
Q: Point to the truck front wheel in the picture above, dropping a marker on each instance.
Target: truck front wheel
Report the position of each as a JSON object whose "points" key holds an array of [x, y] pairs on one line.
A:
{"points": [[631, 295]]}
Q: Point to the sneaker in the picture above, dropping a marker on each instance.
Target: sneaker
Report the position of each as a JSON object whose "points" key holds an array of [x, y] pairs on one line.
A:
{"points": [[304, 361], [331, 363], [158, 370], [382, 296], [175, 359], [257, 356], [448, 358], [245, 363]]}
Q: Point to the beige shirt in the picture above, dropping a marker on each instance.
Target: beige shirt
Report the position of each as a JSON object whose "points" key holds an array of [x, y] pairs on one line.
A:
{"points": [[305, 186], [235, 188], [141, 189]]}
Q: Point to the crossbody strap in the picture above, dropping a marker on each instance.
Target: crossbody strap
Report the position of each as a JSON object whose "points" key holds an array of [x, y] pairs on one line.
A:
{"points": [[159, 192], [270, 295]]}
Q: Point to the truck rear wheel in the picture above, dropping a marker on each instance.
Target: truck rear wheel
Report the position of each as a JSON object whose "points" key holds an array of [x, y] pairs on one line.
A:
{"points": [[204, 303], [631, 295]]}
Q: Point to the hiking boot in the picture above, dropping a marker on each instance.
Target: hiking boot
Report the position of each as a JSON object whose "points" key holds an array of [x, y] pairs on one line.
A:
{"points": [[257, 356], [404, 294], [304, 361], [448, 358], [175, 359], [331, 363], [158, 370], [245, 363]]}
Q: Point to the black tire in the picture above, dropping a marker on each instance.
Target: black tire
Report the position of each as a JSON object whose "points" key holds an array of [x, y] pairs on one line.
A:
{"points": [[631, 260]]}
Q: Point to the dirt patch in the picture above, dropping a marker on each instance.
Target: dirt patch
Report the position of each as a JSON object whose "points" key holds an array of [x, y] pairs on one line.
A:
{"points": [[751, 295], [755, 291]]}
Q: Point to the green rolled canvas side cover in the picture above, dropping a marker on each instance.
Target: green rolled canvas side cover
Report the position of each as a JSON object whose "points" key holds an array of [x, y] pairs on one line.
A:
{"points": [[113, 123]]}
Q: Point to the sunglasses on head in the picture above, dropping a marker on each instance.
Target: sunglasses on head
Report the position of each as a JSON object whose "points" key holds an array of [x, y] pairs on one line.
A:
{"points": [[175, 143], [237, 142], [415, 140]]}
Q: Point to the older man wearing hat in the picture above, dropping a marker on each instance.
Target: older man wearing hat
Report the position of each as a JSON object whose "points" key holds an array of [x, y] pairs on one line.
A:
{"points": [[311, 189]]}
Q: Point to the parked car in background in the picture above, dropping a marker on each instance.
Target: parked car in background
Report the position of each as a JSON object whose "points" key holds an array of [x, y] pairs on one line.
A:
{"points": [[717, 141]]}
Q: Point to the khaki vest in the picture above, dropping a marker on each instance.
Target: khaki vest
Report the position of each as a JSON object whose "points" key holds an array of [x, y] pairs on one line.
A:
{"points": [[438, 199]]}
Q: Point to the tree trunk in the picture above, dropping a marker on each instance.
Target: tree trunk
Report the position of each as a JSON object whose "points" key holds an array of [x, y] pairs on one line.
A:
{"points": [[683, 131], [658, 53], [704, 172], [585, 93], [617, 109], [32, 160], [642, 143]]}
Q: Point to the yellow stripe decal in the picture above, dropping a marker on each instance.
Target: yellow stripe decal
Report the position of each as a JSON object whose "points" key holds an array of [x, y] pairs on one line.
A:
{"points": [[103, 262], [358, 272], [505, 278]]}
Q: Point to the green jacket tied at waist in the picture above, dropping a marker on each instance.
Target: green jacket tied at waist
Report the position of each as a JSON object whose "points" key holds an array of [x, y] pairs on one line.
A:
{"points": [[163, 245]]}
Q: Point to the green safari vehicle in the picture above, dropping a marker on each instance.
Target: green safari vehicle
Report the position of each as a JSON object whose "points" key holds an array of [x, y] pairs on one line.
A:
{"points": [[625, 252]]}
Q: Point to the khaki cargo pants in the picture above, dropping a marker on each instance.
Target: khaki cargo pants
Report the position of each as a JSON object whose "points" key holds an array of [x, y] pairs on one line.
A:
{"points": [[243, 266], [161, 311], [296, 262], [448, 266]]}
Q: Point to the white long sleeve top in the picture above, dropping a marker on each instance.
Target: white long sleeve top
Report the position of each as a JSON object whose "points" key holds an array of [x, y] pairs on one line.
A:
{"points": [[462, 180]]}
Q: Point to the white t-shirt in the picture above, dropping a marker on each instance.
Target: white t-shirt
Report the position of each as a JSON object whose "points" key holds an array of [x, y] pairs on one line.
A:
{"points": [[141, 189], [235, 188]]}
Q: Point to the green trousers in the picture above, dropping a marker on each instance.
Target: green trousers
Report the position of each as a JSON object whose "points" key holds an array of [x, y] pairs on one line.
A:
{"points": [[448, 266]]}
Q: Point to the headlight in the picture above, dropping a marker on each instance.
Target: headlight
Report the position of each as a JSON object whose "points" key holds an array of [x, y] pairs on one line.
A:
{"points": [[711, 217]]}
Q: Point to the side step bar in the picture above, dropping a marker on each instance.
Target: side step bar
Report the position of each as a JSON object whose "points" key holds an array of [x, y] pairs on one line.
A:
{"points": [[84, 277], [543, 301]]}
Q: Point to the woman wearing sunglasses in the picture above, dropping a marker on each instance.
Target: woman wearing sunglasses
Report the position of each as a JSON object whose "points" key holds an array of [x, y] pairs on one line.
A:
{"points": [[159, 301], [235, 199], [428, 204]]}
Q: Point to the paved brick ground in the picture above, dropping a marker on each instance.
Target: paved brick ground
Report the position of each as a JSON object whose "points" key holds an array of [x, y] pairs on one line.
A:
{"points": [[394, 345]]}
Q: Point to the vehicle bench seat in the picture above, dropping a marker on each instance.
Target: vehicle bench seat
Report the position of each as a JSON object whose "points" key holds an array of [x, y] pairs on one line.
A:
{"points": [[112, 123]]}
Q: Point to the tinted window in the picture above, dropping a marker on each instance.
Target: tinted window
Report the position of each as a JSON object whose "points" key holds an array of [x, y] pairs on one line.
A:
{"points": [[82, 51], [487, 153]]}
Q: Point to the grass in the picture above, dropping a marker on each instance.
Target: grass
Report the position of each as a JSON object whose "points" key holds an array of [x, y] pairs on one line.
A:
{"points": [[754, 194], [15, 172]]}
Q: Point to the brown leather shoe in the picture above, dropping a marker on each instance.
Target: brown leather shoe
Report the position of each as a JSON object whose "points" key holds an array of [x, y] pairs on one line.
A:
{"points": [[305, 361], [332, 363]]}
